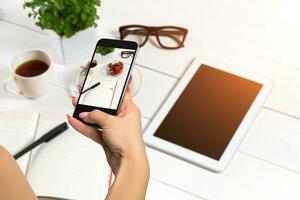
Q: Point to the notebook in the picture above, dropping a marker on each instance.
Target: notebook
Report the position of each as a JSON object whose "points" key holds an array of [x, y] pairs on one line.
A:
{"points": [[70, 166]]}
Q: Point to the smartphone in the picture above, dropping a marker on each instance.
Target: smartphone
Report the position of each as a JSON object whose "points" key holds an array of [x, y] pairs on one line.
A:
{"points": [[107, 77]]}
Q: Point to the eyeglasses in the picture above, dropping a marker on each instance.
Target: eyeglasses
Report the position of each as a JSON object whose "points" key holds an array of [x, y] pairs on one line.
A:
{"points": [[126, 54], [168, 37]]}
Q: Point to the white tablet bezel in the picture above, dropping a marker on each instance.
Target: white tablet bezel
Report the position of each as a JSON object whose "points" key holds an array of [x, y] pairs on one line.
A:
{"points": [[194, 157]]}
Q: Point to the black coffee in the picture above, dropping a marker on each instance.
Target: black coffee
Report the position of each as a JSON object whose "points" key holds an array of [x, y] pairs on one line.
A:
{"points": [[32, 68]]}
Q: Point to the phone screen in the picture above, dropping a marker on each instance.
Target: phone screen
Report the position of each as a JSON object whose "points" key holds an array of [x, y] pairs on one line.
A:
{"points": [[107, 77]]}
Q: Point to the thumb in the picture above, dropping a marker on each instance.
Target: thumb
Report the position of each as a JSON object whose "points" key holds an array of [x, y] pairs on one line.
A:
{"points": [[95, 117]]}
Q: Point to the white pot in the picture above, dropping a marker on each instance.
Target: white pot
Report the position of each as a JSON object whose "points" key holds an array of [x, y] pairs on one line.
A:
{"points": [[79, 46]]}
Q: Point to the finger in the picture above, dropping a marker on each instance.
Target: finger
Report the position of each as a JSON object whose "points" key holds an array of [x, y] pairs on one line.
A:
{"points": [[85, 130], [79, 88], [96, 117], [127, 97], [127, 88], [74, 100], [126, 101]]}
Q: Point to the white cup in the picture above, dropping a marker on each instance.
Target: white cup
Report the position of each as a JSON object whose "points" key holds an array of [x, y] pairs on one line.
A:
{"points": [[34, 86]]}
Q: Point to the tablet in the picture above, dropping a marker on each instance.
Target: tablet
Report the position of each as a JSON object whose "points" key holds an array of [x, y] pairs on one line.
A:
{"points": [[206, 116]]}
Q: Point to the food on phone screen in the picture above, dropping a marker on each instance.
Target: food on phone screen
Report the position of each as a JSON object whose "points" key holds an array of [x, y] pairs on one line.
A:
{"points": [[115, 68]]}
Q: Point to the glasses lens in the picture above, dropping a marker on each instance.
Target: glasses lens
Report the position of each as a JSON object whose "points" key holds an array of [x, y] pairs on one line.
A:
{"points": [[170, 37], [126, 54], [135, 34]]}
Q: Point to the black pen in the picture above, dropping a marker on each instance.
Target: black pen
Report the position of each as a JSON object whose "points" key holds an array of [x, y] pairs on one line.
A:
{"points": [[44, 138], [92, 87]]}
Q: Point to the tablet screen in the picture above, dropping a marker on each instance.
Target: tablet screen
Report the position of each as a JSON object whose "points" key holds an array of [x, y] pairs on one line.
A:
{"points": [[208, 111]]}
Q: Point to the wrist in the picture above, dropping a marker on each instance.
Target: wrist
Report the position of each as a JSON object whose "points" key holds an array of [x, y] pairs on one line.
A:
{"points": [[132, 178], [134, 152], [136, 162]]}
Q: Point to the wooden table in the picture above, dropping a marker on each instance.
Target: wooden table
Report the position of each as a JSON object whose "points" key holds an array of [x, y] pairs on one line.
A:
{"points": [[259, 35]]}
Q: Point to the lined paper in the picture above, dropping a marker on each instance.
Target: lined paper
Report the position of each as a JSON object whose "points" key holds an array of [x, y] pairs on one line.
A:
{"points": [[17, 129], [70, 166]]}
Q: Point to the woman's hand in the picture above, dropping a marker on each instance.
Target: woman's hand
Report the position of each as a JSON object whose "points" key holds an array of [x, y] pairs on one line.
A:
{"points": [[121, 136], [122, 141]]}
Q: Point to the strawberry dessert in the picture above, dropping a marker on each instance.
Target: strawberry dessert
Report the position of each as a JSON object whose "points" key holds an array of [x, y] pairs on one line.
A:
{"points": [[115, 68]]}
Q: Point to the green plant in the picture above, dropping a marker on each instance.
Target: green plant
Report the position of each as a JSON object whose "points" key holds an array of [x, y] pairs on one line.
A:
{"points": [[65, 17], [104, 50]]}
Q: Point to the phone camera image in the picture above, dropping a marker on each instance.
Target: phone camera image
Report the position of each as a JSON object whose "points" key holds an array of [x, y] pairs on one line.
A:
{"points": [[104, 83], [107, 76]]}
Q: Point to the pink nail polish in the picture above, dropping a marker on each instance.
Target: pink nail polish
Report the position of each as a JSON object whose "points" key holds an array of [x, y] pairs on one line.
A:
{"points": [[83, 115]]}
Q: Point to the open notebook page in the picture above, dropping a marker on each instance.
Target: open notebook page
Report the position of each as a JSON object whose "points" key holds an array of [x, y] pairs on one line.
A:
{"points": [[70, 166], [17, 129]]}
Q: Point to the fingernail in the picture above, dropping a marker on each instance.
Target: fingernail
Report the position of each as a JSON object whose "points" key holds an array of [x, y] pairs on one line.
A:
{"points": [[83, 115], [68, 116]]}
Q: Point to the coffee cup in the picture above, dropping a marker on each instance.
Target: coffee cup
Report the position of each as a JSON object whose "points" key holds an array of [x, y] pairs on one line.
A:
{"points": [[32, 74]]}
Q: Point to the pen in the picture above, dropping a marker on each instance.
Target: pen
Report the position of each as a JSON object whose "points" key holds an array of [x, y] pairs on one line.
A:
{"points": [[92, 87], [44, 138]]}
